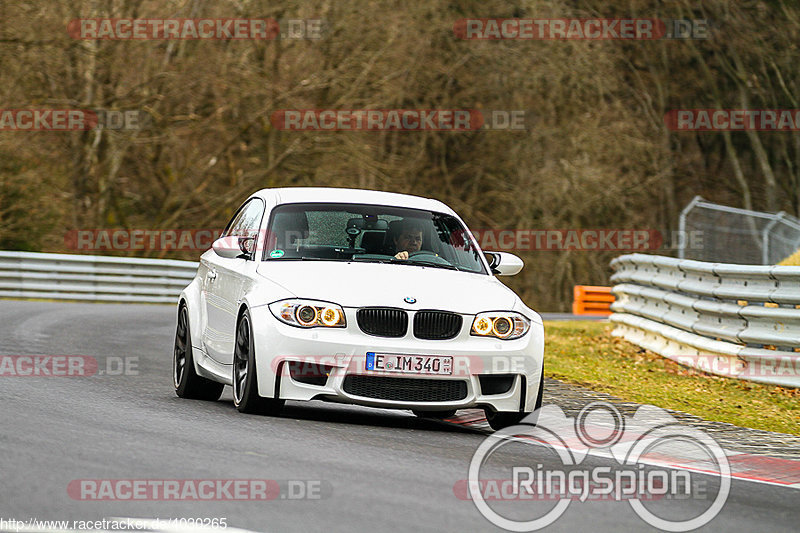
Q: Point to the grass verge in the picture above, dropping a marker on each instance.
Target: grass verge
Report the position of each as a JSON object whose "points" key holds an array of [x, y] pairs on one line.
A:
{"points": [[585, 353], [792, 260]]}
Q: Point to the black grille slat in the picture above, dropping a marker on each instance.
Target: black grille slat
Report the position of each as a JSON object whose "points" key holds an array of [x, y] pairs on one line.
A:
{"points": [[382, 321], [436, 325], [406, 389]]}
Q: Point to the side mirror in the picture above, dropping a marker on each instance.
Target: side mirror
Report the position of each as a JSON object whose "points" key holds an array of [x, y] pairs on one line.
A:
{"points": [[233, 247], [504, 263]]}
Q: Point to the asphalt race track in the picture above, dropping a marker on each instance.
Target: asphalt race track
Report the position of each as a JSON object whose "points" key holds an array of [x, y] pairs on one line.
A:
{"points": [[370, 469]]}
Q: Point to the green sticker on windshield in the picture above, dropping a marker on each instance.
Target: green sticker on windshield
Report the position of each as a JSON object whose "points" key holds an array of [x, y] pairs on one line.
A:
{"points": [[276, 254]]}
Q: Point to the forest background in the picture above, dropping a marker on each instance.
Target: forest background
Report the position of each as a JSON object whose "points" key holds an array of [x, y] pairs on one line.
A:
{"points": [[596, 153]]}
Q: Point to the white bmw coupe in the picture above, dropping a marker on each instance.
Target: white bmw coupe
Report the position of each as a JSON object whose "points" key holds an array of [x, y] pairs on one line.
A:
{"points": [[361, 297]]}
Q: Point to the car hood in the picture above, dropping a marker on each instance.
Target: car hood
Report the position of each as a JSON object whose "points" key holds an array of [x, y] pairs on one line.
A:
{"points": [[388, 285]]}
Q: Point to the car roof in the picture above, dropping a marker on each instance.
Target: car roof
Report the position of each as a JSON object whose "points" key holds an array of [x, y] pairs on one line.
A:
{"points": [[293, 195]]}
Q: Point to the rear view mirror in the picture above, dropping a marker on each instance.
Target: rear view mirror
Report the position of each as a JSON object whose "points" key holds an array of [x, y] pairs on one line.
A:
{"points": [[234, 246], [366, 223]]}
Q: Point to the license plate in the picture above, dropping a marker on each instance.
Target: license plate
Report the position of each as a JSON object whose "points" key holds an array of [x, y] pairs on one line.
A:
{"points": [[410, 364]]}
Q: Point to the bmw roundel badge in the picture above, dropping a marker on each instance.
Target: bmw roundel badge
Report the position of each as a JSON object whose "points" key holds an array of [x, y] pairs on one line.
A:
{"points": [[410, 300]]}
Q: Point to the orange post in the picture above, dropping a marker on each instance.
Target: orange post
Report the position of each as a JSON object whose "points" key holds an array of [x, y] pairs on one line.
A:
{"points": [[592, 300]]}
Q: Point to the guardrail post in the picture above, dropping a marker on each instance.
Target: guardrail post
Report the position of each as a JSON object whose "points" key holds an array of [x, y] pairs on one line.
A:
{"points": [[682, 226], [765, 259]]}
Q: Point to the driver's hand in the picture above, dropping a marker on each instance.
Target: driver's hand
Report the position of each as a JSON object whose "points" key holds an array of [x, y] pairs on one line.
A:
{"points": [[401, 255]]}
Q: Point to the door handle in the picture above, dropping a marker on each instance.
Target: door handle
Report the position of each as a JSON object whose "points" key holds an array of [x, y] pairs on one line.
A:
{"points": [[212, 276]]}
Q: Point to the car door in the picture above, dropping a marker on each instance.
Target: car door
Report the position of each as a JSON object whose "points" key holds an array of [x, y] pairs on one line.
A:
{"points": [[224, 283]]}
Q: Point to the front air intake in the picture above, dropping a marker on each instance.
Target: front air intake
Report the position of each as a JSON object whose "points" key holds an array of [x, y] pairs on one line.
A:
{"points": [[405, 389], [309, 373], [496, 383]]}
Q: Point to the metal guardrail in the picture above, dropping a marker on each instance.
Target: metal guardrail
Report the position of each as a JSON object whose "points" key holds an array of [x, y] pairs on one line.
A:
{"points": [[740, 321], [93, 278], [735, 320]]}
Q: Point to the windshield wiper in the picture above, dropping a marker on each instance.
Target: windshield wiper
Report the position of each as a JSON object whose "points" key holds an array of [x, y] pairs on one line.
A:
{"points": [[307, 258], [369, 260], [426, 263], [374, 260]]}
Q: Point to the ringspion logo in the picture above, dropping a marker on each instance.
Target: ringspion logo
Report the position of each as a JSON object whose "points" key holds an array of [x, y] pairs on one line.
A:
{"points": [[650, 456]]}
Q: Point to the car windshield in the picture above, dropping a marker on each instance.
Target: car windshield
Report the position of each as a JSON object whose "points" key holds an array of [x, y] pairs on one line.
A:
{"points": [[370, 233]]}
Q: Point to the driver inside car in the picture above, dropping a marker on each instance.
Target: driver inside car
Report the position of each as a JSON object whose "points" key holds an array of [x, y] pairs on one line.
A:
{"points": [[408, 239]]}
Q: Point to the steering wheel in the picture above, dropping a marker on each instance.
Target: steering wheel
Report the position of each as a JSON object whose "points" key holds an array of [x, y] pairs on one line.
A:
{"points": [[421, 252], [433, 257]]}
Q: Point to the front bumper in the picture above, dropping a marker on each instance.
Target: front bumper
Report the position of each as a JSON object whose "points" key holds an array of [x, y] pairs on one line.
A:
{"points": [[341, 352]]}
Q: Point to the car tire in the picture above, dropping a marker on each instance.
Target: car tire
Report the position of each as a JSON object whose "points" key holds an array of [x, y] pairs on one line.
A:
{"points": [[499, 420], [441, 415], [184, 377], [245, 379]]}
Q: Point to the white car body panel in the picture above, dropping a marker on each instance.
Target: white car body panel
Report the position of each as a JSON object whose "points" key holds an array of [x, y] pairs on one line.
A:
{"points": [[214, 307], [372, 284]]}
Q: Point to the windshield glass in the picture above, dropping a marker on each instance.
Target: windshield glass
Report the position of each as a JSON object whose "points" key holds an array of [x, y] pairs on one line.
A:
{"points": [[370, 233]]}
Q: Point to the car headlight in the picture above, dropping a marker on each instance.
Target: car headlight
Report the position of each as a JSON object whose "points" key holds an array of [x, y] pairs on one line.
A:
{"points": [[504, 325], [309, 314]]}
